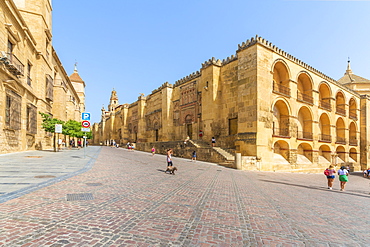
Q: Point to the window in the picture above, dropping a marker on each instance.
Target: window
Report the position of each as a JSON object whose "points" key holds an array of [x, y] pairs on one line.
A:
{"points": [[233, 126], [49, 88], [13, 110], [29, 67], [10, 47], [31, 116]]}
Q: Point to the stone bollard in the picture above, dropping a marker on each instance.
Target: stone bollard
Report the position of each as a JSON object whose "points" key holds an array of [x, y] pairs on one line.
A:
{"points": [[238, 161]]}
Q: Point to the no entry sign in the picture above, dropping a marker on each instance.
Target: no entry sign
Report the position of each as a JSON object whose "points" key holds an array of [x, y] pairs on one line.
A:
{"points": [[85, 124]]}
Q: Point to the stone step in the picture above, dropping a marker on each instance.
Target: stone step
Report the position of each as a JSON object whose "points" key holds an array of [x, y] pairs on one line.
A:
{"points": [[227, 155]]}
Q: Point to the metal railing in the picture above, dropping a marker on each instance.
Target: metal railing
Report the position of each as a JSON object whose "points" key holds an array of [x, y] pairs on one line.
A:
{"points": [[340, 111], [304, 98], [325, 105], [283, 132], [325, 138], [277, 88], [14, 64], [341, 140], [353, 142], [353, 115], [304, 135]]}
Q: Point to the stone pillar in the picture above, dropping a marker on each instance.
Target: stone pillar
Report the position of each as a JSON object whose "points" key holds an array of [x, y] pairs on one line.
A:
{"points": [[293, 158], [238, 161]]}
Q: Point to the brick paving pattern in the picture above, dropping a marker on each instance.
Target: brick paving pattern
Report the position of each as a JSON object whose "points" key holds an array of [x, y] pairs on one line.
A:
{"points": [[133, 202]]}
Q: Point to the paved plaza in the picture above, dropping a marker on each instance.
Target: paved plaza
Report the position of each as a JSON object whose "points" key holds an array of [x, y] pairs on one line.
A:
{"points": [[115, 197]]}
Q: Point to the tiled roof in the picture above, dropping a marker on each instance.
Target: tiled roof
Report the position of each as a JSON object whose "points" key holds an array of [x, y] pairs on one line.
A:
{"points": [[75, 77]]}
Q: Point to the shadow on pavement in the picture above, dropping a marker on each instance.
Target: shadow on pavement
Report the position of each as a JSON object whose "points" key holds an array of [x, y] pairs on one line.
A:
{"points": [[361, 193]]}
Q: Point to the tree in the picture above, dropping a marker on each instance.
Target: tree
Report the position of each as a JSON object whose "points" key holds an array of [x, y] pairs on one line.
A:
{"points": [[73, 129], [48, 124]]}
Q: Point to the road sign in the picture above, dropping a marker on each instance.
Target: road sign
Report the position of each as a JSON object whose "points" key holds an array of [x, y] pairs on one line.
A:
{"points": [[85, 129], [58, 128], [86, 124], [85, 116]]}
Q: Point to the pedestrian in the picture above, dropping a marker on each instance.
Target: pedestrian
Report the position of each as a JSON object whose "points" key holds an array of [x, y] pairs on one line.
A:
{"points": [[329, 172], [186, 140], [169, 157], [194, 156], [213, 141], [79, 144], [60, 142], [153, 151], [343, 177]]}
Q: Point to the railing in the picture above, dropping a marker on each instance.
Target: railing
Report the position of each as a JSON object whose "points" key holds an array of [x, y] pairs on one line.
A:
{"points": [[15, 65], [282, 132], [277, 88], [353, 142], [341, 140], [325, 138], [353, 115], [304, 98], [304, 135], [340, 111], [325, 105]]}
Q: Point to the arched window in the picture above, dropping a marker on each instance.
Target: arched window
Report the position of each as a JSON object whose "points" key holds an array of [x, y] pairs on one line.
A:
{"points": [[281, 79], [304, 89]]}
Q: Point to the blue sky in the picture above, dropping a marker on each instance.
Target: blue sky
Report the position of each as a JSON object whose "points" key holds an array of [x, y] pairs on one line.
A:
{"points": [[136, 46]]}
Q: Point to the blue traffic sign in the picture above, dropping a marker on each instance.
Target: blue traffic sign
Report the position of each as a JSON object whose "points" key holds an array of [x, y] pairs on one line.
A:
{"points": [[85, 116]]}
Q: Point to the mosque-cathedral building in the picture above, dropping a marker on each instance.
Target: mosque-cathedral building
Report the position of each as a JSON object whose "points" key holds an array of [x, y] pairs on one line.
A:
{"points": [[265, 107], [32, 78]]}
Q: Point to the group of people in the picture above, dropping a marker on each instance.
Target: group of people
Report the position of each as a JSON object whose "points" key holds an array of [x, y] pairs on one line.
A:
{"points": [[343, 173], [367, 173]]}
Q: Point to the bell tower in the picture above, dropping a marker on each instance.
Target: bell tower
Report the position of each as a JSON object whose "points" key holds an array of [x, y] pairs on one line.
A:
{"points": [[113, 103]]}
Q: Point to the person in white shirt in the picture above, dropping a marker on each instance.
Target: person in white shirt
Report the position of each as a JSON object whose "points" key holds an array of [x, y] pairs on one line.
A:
{"points": [[343, 177]]}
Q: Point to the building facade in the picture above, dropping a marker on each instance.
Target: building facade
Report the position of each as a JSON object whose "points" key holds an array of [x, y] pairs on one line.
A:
{"points": [[278, 112], [32, 78]]}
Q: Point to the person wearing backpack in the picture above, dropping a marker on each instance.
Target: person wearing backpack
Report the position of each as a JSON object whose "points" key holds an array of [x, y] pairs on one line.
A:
{"points": [[329, 173]]}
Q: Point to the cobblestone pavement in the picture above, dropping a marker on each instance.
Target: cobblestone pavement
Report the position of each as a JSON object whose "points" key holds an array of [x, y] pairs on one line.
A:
{"points": [[126, 199]]}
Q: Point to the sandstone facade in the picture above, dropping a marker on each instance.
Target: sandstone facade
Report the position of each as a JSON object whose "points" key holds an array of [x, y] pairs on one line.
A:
{"points": [[275, 110], [32, 78]]}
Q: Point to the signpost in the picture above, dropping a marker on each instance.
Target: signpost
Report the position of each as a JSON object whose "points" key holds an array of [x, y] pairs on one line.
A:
{"points": [[85, 116], [59, 130]]}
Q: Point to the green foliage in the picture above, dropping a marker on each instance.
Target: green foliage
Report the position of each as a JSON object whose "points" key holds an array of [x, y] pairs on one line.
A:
{"points": [[48, 123], [71, 128]]}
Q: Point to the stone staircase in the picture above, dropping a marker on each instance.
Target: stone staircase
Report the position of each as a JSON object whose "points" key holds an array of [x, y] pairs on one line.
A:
{"points": [[229, 158], [199, 144]]}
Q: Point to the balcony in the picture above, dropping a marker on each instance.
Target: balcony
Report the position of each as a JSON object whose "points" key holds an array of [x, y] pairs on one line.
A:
{"points": [[304, 135], [305, 98], [341, 140], [324, 138], [340, 110], [353, 142], [281, 132], [13, 64], [325, 105], [280, 89], [353, 115]]}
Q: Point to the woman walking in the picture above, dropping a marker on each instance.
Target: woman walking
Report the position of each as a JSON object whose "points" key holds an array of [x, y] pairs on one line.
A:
{"points": [[343, 177], [329, 172]]}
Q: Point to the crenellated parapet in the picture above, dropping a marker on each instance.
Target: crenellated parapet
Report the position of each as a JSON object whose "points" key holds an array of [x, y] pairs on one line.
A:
{"points": [[229, 59], [269, 45], [164, 85], [188, 78], [212, 61]]}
